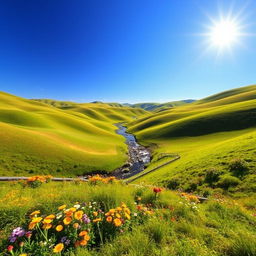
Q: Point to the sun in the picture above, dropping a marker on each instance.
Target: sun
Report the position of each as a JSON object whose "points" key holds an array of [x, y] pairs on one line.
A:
{"points": [[224, 33]]}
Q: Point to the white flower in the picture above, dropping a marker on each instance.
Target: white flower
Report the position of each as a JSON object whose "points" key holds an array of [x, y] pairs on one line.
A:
{"points": [[77, 206], [135, 214]]}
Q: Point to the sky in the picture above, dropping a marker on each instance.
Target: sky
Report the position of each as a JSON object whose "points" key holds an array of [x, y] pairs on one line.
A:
{"points": [[123, 50]]}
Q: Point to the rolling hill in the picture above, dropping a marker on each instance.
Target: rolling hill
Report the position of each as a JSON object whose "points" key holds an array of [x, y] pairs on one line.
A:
{"points": [[209, 135], [42, 137]]}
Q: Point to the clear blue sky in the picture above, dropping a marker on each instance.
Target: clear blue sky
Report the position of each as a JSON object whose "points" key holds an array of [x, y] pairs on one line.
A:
{"points": [[120, 50]]}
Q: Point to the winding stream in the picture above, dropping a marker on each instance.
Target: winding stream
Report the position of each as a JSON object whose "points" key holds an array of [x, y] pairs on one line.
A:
{"points": [[139, 156]]}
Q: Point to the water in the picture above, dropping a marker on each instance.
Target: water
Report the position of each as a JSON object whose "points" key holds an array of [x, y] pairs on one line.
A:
{"points": [[139, 156]]}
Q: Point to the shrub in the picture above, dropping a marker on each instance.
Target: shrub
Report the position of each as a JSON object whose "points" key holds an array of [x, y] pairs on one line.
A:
{"points": [[173, 183], [212, 175], [238, 167], [227, 181]]}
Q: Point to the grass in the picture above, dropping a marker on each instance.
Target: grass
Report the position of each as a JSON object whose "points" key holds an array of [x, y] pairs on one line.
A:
{"points": [[220, 226], [63, 139]]}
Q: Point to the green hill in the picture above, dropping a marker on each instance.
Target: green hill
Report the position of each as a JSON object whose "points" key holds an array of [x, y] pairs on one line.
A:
{"points": [[47, 138], [159, 106], [208, 134]]}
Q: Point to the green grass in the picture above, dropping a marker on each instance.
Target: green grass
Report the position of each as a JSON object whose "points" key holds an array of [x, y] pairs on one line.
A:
{"points": [[216, 227], [44, 138]]}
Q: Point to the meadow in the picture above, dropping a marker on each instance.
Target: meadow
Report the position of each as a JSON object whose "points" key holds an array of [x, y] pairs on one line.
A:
{"points": [[160, 222]]}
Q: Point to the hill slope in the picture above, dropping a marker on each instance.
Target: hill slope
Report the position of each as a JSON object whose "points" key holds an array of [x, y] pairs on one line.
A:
{"points": [[209, 133], [39, 138]]}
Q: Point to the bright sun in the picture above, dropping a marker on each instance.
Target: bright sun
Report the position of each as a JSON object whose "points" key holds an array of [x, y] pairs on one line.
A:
{"points": [[224, 33]]}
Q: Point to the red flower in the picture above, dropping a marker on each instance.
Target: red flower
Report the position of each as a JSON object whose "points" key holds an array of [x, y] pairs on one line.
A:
{"points": [[157, 190], [9, 248]]}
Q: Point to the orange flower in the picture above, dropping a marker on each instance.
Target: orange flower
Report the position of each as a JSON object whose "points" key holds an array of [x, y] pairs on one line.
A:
{"points": [[51, 216], [83, 233], [59, 228], [67, 220], [62, 207], [58, 248], [68, 213], [83, 242], [31, 225], [109, 219], [117, 222], [47, 226], [95, 214], [78, 215], [76, 225]]}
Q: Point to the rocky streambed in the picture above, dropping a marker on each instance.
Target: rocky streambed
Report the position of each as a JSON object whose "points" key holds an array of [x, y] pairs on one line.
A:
{"points": [[139, 155]]}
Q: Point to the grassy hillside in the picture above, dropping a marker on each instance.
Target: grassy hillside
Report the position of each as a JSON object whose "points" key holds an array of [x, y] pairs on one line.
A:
{"points": [[160, 106], [210, 135], [79, 138]]}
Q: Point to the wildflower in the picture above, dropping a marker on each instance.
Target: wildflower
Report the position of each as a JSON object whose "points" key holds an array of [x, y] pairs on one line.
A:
{"points": [[21, 244], [17, 232], [51, 216], [77, 206], [157, 190], [47, 226], [117, 222], [62, 207], [9, 248], [83, 233], [86, 237], [36, 220], [73, 209], [78, 215], [118, 215], [58, 248], [28, 234], [109, 219], [67, 220], [97, 220], [23, 254], [95, 214], [85, 219], [34, 213], [127, 216], [83, 242], [76, 225]]}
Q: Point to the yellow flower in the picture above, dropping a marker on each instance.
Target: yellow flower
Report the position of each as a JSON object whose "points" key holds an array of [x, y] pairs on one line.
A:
{"points": [[118, 215], [62, 207], [23, 254], [97, 220], [47, 221], [119, 209], [109, 219], [73, 209], [58, 248], [59, 228], [67, 220], [86, 237], [37, 219], [117, 222], [78, 215], [51, 216], [47, 226], [127, 216], [95, 214], [35, 213]]}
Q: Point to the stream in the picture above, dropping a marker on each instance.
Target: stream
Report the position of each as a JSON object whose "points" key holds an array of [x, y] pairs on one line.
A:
{"points": [[139, 155]]}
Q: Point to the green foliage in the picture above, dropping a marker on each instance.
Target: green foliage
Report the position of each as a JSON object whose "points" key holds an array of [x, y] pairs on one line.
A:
{"points": [[238, 167], [227, 181]]}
